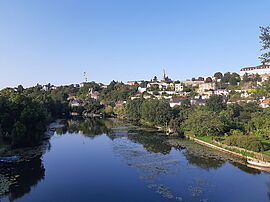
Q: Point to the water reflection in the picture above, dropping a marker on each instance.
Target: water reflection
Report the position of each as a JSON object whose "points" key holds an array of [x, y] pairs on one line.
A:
{"points": [[86, 127], [17, 178], [156, 158], [27, 175]]}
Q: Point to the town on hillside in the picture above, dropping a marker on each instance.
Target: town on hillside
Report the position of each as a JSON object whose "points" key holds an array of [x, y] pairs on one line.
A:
{"points": [[233, 87]]}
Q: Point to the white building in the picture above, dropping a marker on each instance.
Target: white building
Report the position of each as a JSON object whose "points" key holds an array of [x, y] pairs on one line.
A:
{"points": [[265, 103], [222, 92], [142, 90], [261, 70], [178, 87]]}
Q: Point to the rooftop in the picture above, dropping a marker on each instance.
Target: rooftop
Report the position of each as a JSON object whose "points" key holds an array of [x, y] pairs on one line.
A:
{"points": [[257, 67]]}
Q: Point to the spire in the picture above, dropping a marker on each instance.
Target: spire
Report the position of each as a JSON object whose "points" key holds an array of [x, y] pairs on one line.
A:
{"points": [[163, 75]]}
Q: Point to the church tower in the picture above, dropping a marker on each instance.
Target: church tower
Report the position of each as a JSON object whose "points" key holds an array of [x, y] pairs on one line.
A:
{"points": [[163, 75]]}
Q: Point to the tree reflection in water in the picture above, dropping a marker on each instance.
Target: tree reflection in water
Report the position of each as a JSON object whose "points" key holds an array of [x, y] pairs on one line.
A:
{"points": [[29, 174], [146, 151], [87, 127], [19, 177]]}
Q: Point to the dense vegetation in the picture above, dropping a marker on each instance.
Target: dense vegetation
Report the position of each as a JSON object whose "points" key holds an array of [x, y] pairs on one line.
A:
{"points": [[26, 112], [235, 123]]}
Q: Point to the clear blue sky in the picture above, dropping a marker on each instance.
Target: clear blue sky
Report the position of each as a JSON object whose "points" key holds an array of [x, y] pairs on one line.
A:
{"points": [[56, 41]]}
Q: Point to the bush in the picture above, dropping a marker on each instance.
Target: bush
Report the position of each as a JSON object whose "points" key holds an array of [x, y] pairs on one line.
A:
{"points": [[246, 142]]}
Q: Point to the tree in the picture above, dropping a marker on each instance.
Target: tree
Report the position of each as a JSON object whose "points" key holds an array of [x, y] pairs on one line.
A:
{"points": [[176, 125], [133, 109], [200, 78], [156, 111], [208, 80], [120, 111], [20, 89], [233, 81], [204, 123], [265, 41], [260, 123], [92, 106], [215, 103], [246, 78], [218, 75]]}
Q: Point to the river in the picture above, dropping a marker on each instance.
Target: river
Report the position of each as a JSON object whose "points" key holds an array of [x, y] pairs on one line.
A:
{"points": [[112, 161]]}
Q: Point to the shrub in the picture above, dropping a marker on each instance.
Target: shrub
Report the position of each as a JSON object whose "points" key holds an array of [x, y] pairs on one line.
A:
{"points": [[246, 142]]}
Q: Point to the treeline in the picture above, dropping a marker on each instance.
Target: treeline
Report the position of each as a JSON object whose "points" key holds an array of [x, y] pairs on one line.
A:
{"points": [[25, 113], [247, 122]]}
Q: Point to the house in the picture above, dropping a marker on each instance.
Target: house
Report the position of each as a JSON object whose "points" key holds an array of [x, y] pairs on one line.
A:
{"points": [[237, 100], [142, 90], [178, 87], [120, 103], [93, 94], [207, 86], [265, 103], [76, 103], [161, 85], [222, 92], [199, 101], [205, 95], [176, 101], [135, 82], [192, 83]]}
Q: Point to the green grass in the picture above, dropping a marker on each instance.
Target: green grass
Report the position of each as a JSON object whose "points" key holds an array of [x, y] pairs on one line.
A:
{"points": [[208, 139]]}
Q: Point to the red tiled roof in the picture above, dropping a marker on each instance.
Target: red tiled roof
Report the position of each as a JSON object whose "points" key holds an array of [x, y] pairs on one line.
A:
{"points": [[266, 101], [257, 67]]}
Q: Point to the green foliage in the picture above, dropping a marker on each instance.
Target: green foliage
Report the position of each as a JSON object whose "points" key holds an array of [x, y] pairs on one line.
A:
{"points": [[230, 78], [156, 111], [265, 41], [260, 123], [177, 125], [22, 120], [133, 109], [208, 80], [85, 89], [246, 142], [215, 103], [204, 123], [120, 111], [92, 106], [117, 92], [218, 75]]}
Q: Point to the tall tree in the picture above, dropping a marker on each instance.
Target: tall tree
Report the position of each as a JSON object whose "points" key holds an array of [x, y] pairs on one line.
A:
{"points": [[218, 75], [265, 41], [215, 103]]}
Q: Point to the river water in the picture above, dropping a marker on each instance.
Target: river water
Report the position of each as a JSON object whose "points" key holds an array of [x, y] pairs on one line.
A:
{"points": [[108, 160]]}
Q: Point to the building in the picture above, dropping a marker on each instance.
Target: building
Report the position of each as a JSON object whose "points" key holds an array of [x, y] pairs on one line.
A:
{"points": [[207, 86], [142, 90], [192, 83], [93, 94], [222, 92], [120, 103], [76, 103], [135, 82], [265, 103], [161, 85], [176, 101], [178, 87], [260, 69]]}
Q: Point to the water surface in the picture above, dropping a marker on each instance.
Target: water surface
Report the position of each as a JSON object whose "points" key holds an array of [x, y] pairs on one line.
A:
{"points": [[108, 160]]}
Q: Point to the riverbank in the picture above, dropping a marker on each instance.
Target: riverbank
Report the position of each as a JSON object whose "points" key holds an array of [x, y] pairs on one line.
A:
{"points": [[235, 151]]}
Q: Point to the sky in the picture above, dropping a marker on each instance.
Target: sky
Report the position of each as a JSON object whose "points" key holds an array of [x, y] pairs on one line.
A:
{"points": [[55, 41]]}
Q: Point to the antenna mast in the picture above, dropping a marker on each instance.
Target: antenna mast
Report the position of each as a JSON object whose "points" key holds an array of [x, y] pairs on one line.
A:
{"points": [[85, 76]]}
